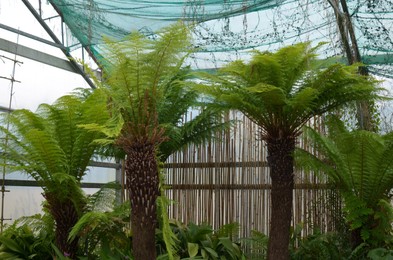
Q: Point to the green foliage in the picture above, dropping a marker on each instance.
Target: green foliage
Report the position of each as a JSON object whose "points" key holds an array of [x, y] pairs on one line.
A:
{"points": [[148, 99], [256, 245], [360, 252], [332, 245], [58, 254], [180, 125], [139, 71], [360, 164], [104, 228], [168, 236], [105, 236], [201, 242], [283, 90], [280, 92], [103, 233], [384, 218], [321, 246], [104, 199], [380, 254], [28, 238], [174, 104], [50, 147], [146, 87]]}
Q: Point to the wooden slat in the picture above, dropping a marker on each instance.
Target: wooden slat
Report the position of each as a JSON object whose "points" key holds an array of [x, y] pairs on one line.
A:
{"points": [[228, 181]]}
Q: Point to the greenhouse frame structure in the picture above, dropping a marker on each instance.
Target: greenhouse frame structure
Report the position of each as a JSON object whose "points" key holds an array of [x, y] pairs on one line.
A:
{"points": [[347, 28]]}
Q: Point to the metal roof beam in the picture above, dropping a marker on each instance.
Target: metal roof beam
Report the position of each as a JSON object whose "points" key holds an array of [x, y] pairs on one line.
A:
{"points": [[35, 55], [31, 36], [5, 109], [76, 66], [105, 165], [31, 183]]}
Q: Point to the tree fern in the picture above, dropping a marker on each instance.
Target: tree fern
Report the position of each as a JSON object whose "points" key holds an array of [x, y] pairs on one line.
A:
{"points": [[360, 164], [50, 147], [147, 99], [280, 92]]}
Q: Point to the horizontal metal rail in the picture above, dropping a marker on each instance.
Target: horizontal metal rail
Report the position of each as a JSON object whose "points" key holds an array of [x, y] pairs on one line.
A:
{"points": [[32, 183]]}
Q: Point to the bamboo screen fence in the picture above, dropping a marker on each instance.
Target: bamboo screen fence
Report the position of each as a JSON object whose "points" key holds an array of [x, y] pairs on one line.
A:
{"points": [[228, 181]]}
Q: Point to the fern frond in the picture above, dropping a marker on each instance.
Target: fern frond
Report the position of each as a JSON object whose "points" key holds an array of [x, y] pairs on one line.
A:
{"points": [[140, 64], [283, 90], [328, 151], [385, 164], [103, 230], [360, 164], [88, 222], [311, 163], [170, 239], [200, 129], [228, 230], [169, 52], [104, 199], [295, 62], [45, 152], [273, 96]]}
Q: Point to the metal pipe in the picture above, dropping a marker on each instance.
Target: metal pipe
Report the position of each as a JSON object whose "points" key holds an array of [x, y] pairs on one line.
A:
{"points": [[3, 190]]}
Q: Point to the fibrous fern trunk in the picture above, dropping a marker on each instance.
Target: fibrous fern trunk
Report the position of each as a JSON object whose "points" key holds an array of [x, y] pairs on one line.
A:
{"points": [[143, 189], [65, 215], [280, 161]]}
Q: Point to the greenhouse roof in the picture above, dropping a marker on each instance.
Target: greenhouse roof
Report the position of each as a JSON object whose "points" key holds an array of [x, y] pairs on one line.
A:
{"points": [[228, 29]]}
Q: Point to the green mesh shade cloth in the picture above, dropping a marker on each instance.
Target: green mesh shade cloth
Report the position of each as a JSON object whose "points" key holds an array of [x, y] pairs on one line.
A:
{"points": [[229, 29]]}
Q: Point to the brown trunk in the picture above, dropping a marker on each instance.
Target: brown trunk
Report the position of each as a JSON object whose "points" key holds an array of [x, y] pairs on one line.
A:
{"points": [[356, 238], [142, 185], [280, 161], [65, 216]]}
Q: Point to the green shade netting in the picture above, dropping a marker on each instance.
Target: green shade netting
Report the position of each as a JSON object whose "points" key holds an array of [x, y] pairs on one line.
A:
{"points": [[229, 29]]}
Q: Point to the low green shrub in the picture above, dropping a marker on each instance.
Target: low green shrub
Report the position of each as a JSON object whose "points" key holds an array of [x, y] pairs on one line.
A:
{"points": [[202, 242], [28, 238]]}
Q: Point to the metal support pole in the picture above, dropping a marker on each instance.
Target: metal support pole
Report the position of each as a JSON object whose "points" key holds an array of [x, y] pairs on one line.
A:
{"points": [[3, 190], [40, 7], [120, 180]]}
